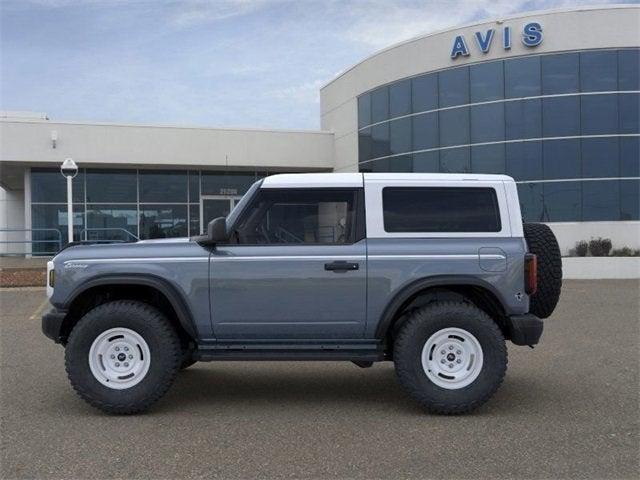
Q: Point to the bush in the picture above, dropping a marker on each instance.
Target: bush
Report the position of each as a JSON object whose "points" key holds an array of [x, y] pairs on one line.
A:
{"points": [[625, 252], [581, 248], [600, 247]]}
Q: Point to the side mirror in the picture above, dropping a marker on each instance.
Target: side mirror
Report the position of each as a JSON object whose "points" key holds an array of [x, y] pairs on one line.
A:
{"points": [[217, 230]]}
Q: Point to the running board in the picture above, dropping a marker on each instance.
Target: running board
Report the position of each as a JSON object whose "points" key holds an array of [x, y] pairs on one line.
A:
{"points": [[364, 352]]}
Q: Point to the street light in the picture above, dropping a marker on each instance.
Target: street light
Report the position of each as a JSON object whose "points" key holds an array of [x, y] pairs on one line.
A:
{"points": [[69, 169]]}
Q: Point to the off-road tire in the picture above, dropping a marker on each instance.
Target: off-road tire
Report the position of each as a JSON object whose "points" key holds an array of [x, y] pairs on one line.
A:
{"points": [[542, 242], [407, 355], [158, 333]]}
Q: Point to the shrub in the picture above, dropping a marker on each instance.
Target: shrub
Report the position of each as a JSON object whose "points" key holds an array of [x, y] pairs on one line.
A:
{"points": [[600, 247], [581, 248], [625, 252]]}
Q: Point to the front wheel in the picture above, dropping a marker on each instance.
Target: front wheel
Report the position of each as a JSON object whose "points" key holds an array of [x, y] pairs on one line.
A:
{"points": [[122, 356], [450, 356]]}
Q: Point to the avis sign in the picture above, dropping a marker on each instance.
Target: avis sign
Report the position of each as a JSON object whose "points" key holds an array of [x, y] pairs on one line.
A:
{"points": [[531, 37]]}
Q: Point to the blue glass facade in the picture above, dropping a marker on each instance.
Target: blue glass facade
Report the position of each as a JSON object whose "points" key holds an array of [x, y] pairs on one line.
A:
{"points": [[108, 203], [565, 126]]}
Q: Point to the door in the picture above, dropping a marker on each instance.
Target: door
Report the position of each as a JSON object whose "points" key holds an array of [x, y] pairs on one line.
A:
{"points": [[214, 206], [296, 268]]}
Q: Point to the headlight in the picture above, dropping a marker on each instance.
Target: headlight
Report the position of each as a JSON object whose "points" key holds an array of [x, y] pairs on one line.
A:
{"points": [[51, 278]]}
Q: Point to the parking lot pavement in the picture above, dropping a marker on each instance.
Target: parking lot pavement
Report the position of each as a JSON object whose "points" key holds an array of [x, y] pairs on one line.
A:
{"points": [[568, 409]]}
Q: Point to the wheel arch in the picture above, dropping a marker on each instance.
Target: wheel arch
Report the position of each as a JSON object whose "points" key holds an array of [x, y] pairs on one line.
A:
{"points": [[77, 300], [475, 290]]}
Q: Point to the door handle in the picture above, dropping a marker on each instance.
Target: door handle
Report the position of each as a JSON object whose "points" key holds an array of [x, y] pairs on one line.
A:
{"points": [[341, 266]]}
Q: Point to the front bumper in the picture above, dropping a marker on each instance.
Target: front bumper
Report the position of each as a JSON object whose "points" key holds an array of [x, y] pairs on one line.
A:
{"points": [[525, 329], [52, 324]]}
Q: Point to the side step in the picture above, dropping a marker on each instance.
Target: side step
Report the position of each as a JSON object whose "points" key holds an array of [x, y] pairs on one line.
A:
{"points": [[307, 351]]}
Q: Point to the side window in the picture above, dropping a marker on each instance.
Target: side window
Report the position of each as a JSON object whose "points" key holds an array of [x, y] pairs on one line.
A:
{"points": [[440, 209], [312, 216]]}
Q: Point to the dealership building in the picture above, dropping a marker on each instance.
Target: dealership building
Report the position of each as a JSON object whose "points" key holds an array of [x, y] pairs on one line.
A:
{"points": [[550, 98]]}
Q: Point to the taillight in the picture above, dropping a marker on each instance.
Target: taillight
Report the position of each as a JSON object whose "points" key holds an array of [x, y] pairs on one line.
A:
{"points": [[530, 273]]}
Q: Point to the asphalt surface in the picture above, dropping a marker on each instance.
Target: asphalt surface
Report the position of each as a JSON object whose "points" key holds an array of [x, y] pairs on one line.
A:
{"points": [[568, 409]]}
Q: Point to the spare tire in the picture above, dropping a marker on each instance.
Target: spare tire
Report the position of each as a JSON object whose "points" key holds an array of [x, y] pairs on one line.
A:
{"points": [[542, 242]]}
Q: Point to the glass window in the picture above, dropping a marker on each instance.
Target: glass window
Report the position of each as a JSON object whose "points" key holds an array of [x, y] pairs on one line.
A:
{"points": [[630, 157], [561, 116], [228, 183], [428, 162], [376, 166], [299, 217], [440, 209], [425, 131], [487, 123], [380, 140], [194, 220], [487, 81], [112, 186], [364, 110], [163, 186], [522, 77], [561, 159], [455, 160], [365, 145], [600, 200], [629, 112], [562, 201], [530, 195], [454, 127], [630, 200], [524, 160], [600, 157], [454, 87], [165, 221], [49, 186], [488, 158], [560, 73], [599, 114], [599, 71], [194, 186], [111, 222], [400, 98], [54, 217], [400, 135], [380, 104], [629, 69], [523, 119], [401, 163], [424, 92]]}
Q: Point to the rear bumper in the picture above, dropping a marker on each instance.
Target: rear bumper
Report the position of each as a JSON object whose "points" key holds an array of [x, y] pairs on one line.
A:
{"points": [[52, 324], [525, 329]]}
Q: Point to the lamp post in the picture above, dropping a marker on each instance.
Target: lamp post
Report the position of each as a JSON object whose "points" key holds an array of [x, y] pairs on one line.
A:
{"points": [[69, 169]]}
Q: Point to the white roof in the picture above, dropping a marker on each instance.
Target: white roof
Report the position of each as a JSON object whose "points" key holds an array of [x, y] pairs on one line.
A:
{"points": [[342, 180], [309, 180]]}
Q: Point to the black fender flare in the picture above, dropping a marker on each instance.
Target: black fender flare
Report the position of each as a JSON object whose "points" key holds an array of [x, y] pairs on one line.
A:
{"points": [[183, 312], [409, 290]]}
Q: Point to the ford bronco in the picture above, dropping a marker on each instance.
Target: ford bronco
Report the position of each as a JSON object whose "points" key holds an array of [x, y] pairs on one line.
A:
{"points": [[431, 271]]}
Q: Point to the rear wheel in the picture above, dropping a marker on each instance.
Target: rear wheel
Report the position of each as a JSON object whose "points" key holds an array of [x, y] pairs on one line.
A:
{"points": [[542, 242], [450, 356], [122, 356]]}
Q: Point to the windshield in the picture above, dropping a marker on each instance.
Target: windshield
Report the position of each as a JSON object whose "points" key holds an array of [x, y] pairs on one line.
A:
{"points": [[233, 216]]}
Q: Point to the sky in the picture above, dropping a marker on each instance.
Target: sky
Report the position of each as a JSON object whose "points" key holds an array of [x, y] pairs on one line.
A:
{"points": [[217, 63]]}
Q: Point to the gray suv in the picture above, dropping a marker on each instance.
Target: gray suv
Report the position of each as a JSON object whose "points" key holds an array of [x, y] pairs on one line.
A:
{"points": [[431, 271]]}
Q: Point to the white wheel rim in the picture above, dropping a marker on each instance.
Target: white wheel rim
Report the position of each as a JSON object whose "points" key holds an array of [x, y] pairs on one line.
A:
{"points": [[452, 358], [119, 358]]}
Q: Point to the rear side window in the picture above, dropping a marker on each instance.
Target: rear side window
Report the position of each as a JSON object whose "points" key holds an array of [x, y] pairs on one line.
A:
{"points": [[440, 209]]}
